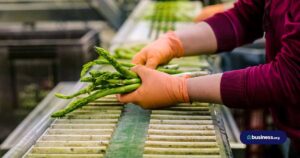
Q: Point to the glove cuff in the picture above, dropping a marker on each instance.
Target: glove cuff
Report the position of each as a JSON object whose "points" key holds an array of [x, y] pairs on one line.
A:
{"points": [[175, 44], [182, 91]]}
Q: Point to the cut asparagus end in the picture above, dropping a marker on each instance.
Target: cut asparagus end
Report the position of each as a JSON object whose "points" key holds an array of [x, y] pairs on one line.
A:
{"points": [[62, 96]]}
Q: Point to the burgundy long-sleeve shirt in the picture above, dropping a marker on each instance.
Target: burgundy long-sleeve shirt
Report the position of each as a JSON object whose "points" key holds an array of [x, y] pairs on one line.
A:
{"points": [[276, 84]]}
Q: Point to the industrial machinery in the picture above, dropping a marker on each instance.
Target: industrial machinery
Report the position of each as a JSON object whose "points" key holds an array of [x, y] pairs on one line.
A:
{"points": [[31, 11], [107, 128], [33, 61]]}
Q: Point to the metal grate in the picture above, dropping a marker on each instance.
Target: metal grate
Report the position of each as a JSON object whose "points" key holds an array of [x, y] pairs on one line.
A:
{"points": [[186, 130], [84, 133]]}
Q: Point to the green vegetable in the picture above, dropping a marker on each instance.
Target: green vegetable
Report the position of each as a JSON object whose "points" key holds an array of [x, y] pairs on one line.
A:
{"points": [[82, 91], [102, 83], [101, 61], [98, 94], [86, 67], [160, 68], [127, 73], [125, 82], [169, 71], [87, 79], [122, 53]]}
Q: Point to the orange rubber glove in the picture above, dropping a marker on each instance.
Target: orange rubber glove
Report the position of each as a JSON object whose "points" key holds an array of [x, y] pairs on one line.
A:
{"points": [[157, 90], [160, 51], [209, 11]]}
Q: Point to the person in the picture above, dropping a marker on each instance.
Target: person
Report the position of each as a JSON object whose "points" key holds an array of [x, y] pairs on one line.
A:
{"points": [[274, 85], [211, 10]]}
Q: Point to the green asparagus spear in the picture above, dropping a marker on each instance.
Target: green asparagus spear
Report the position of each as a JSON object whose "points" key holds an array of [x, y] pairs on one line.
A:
{"points": [[138, 47], [100, 80], [123, 53], [160, 68], [172, 66], [87, 79], [127, 73], [86, 67], [101, 61], [98, 94], [82, 91], [169, 71], [125, 82]]}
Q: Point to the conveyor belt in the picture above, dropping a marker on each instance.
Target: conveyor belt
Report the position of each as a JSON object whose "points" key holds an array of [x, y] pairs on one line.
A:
{"points": [[84, 133], [186, 130]]}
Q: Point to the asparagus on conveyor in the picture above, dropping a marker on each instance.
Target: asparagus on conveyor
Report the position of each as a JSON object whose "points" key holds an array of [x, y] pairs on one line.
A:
{"points": [[103, 83], [98, 94]]}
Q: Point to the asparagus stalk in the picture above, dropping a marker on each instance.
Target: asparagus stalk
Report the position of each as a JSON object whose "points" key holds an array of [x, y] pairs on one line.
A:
{"points": [[82, 91], [124, 53], [87, 79], [98, 94], [125, 82], [172, 66], [101, 61], [127, 73], [169, 71], [86, 67], [138, 47], [106, 83], [160, 68]]}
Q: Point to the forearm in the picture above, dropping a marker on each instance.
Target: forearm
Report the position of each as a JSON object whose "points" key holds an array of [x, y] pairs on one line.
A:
{"points": [[205, 88], [197, 39]]}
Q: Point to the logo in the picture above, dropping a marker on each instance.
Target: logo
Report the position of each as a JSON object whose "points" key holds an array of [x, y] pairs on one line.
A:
{"points": [[263, 137]]}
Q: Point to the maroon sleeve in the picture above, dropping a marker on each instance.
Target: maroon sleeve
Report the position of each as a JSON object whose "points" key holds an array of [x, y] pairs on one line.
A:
{"points": [[275, 83], [239, 25]]}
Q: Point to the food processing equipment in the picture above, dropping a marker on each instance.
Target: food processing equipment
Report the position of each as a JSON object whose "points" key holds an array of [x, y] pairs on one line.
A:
{"points": [[107, 128], [31, 11], [35, 60]]}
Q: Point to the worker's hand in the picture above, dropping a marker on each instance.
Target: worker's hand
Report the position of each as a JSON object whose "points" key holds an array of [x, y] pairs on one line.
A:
{"points": [[160, 51], [209, 11], [157, 90]]}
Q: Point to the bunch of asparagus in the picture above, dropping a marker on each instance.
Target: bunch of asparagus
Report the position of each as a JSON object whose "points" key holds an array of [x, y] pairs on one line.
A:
{"points": [[103, 83]]}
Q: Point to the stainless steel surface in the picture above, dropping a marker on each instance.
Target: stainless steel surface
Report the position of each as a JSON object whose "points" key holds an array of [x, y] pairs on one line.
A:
{"points": [[233, 132], [110, 11]]}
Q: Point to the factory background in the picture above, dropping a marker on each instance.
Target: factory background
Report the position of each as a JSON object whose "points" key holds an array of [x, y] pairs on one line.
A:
{"points": [[43, 45]]}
